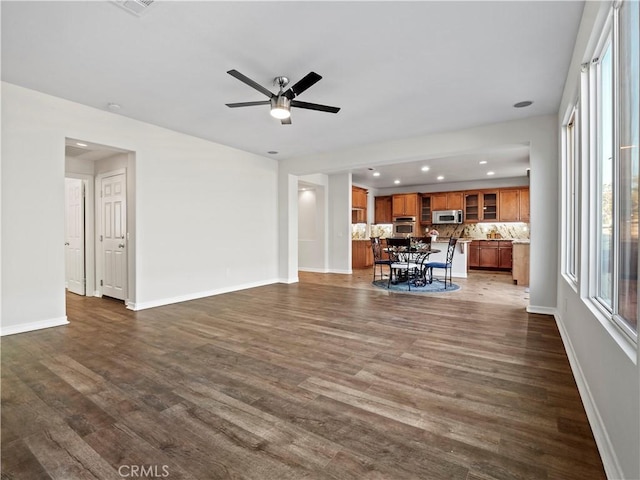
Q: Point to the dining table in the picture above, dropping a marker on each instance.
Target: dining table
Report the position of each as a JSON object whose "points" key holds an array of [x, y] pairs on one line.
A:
{"points": [[412, 261]]}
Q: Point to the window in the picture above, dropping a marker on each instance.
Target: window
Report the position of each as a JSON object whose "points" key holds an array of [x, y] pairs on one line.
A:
{"points": [[602, 155], [572, 233], [628, 163], [605, 192]]}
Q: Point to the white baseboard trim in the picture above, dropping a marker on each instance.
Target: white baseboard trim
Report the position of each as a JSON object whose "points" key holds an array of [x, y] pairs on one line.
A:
{"points": [[607, 453], [194, 296], [29, 327], [288, 281], [313, 270], [541, 310], [342, 272]]}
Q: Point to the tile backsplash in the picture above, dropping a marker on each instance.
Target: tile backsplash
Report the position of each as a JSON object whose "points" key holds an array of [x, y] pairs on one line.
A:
{"points": [[512, 231], [519, 231]]}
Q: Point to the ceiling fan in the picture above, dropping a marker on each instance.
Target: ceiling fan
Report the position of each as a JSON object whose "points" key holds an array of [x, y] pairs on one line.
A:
{"points": [[282, 102]]}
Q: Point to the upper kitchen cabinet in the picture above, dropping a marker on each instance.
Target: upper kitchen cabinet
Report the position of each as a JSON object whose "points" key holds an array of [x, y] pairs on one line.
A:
{"points": [[383, 210], [438, 201], [514, 205], [404, 205], [358, 205], [481, 207], [447, 201], [425, 209], [524, 205], [358, 198]]}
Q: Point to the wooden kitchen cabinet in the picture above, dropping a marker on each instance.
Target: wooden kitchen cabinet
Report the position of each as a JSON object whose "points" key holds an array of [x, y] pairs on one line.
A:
{"points": [[455, 201], [489, 206], [490, 254], [520, 272], [505, 255], [447, 201], [361, 254], [474, 255], [514, 205], [524, 205], [438, 201], [509, 205], [431, 202], [480, 206], [358, 198], [382, 212], [425, 209], [358, 216], [358, 205], [404, 205]]}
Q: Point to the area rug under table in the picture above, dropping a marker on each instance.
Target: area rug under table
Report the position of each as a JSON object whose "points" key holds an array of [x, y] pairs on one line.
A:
{"points": [[436, 287]]}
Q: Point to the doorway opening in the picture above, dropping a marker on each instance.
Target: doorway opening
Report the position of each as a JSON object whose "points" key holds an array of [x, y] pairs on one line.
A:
{"points": [[99, 221]]}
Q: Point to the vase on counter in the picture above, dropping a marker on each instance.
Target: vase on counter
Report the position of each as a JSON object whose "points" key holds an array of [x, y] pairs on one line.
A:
{"points": [[434, 238]]}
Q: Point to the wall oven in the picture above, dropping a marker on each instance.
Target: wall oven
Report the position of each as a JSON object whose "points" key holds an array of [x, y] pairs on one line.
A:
{"points": [[404, 227]]}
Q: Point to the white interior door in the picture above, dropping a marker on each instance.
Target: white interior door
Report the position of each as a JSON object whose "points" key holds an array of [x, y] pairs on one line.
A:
{"points": [[114, 231], [74, 235]]}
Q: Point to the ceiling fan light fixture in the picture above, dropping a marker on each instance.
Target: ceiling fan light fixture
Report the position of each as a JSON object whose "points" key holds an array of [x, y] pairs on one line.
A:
{"points": [[280, 107]]}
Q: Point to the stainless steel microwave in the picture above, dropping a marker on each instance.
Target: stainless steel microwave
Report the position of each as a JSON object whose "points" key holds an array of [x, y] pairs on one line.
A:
{"points": [[447, 216]]}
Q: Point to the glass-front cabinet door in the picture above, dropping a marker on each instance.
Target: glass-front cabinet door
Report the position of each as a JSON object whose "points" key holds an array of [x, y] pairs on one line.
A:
{"points": [[481, 207], [425, 209], [472, 207], [490, 207]]}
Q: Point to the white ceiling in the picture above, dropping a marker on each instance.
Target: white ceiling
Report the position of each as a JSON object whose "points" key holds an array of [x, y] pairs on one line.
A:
{"points": [[397, 69]]}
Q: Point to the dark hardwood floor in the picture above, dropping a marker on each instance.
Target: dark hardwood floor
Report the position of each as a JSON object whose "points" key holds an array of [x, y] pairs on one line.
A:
{"points": [[320, 380]]}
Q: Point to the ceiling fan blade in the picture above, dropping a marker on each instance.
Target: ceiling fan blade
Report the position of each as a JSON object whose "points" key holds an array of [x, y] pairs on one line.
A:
{"points": [[307, 81], [314, 106], [248, 104], [251, 83], [286, 121]]}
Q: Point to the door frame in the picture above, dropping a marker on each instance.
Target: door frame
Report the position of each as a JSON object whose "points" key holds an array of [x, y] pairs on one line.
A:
{"points": [[98, 223]]}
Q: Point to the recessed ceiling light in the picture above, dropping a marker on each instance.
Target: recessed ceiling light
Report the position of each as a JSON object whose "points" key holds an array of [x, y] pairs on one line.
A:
{"points": [[396, 181], [425, 169], [526, 103], [482, 162], [491, 173], [81, 144], [440, 177], [376, 174]]}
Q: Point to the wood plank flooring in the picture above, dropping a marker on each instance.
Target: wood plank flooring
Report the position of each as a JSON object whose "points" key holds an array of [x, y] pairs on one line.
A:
{"points": [[329, 378]]}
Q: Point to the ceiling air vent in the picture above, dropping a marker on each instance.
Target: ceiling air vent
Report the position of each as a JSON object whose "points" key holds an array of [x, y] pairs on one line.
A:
{"points": [[137, 7]]}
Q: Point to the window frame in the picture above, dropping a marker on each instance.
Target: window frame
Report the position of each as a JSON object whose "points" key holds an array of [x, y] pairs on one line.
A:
{"points": [[590, 122], [572, 195]]}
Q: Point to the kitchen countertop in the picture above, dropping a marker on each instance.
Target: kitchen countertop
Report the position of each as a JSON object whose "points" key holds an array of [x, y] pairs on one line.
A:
{"points": [[514, 240]]}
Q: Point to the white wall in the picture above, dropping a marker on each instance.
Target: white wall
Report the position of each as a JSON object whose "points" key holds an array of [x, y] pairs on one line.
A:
{"points": [[199, 208], [340, 223], [604, 362], [312, 224], [539, 133]]}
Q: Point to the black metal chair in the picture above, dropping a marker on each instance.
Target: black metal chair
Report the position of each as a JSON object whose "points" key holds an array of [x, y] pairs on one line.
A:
{"points": [[446, 265], [399, 250], [380, 257]]}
